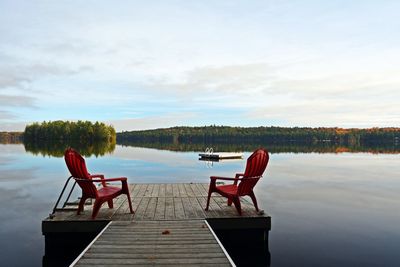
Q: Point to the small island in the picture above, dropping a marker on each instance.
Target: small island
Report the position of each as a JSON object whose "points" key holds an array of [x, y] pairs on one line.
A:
{"points": [[69, 131]]}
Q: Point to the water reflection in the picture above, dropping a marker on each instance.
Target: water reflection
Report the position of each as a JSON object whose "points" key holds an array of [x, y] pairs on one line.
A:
{"points": [[57, 148], [287, 147]]}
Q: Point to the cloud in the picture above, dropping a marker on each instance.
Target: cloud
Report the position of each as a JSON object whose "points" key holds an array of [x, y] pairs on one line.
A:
{"points": [[238, 79], [329, 112], [16, 101], [5, 115], [16, 74]]}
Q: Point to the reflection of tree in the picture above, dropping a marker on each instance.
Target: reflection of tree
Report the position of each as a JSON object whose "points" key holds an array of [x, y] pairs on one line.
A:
{"points": [[57, 148], [282, 147], [10, 137]]}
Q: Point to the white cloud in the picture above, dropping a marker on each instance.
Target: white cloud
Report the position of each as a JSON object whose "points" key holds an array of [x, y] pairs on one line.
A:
{"points": [[16, 101]]}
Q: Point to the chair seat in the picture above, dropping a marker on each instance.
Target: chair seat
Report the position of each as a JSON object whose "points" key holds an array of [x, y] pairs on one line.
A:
{"points": [[108, 191], [230, 189]]}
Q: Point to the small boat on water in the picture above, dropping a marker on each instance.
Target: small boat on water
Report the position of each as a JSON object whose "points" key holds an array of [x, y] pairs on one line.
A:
{"points": [[209, 154]]}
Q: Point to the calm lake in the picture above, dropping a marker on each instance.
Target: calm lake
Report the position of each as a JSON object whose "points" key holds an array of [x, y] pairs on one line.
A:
{"points": [[327, 209]]}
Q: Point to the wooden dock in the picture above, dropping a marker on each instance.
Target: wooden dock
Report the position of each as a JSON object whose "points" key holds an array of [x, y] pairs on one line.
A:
{"points": [[155, 243], [178, 208]]}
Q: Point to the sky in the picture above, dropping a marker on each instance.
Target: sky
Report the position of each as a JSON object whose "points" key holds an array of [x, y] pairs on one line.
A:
{"points": [[155, 64]]}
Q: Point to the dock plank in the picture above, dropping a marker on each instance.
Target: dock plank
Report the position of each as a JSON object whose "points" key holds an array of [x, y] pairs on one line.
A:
{"points": [[178, 208], [169, 208], [160, 209]]}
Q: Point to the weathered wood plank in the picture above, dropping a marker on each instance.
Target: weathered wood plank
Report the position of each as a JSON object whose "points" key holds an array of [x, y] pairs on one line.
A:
{"points": [[142, 190], [197, 208], [169, 208], [156, 190], [154, 260], [189, 191], [195, 189], [168, 190], [161, 192], [153, 254], [139, 213], [178, 207], [182, 190], [175, 190], [189, 212], [193, 246], [160, 209], [151, 209], [134, 189], [149, 190]]}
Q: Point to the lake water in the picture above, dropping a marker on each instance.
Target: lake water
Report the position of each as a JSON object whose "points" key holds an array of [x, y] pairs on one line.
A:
{"points": [[327, 209]]}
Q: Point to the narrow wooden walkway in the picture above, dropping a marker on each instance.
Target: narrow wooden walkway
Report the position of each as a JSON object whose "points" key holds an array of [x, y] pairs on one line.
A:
{"points": [[155, 243]]}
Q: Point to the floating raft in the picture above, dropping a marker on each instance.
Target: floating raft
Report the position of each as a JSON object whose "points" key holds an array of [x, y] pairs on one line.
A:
{"points": [[221, 155]]}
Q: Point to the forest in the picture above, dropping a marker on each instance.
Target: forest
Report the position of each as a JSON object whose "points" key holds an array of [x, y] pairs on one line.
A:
{"points": [[85, 131], [225, 134]]}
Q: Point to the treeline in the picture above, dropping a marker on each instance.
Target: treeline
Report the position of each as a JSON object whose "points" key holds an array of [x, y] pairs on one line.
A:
{"points": [[225, 134], [10, 137], [84, 131]]}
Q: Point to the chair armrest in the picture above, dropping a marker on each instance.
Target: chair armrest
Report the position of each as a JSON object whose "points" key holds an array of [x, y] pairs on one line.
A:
{"points": [[101, 176], [237, 177], [97, 176], [122, 179], [222, 178]]}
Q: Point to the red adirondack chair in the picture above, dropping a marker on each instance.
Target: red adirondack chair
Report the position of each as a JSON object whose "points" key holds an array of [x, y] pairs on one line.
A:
{"points": [[255, 168], [77, 167]]}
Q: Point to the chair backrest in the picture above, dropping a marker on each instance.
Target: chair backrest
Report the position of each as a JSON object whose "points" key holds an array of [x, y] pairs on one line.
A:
{"points": [[255, 167], [77, 167]]}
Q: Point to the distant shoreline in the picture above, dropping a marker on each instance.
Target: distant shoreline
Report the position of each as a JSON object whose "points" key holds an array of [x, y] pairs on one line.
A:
{"points": [[210, 134]]}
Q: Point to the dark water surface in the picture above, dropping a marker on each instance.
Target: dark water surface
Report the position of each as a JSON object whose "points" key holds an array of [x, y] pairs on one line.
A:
{"points": [[327, 209]]}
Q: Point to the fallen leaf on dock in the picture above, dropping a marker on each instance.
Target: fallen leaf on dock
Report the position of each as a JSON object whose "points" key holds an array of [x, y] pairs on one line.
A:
{"points": [[166, 232]]}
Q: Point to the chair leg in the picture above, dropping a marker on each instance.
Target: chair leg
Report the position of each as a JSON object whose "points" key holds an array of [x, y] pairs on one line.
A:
{"points": [[96, 207], [238, 207], [253, 198], [110, 204], [130, 202], [208, 198], [229, 202], [81, 204], [125, 190]]}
